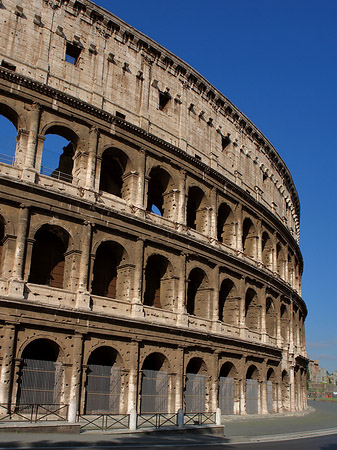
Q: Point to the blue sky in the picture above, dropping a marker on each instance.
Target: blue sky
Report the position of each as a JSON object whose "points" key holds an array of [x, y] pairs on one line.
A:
{"points": [[276, 60]]}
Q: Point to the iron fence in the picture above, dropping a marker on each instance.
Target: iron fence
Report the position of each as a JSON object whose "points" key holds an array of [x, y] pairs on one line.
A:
{"points": [[103, 421], [200, 418], [56, 174], [7, 159], [156, 420], [33, 412]]}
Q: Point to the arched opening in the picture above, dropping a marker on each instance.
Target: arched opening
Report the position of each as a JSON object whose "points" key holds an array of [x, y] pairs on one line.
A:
{"points": [[267, 251], [270, 317], [271, 390], [197, 294], [155, 384], [158, 289], [252, 310], [113, 167], [8, 134], [103, 383], [159, 193], [285, 390], [195, 386], [40, 375], [280, 257], [252, 390], [284, 322], [105, 272], [48, 256], [196, 217], [226, 388], [226, 225], [248, 238], [58, 153], [228, 303]]}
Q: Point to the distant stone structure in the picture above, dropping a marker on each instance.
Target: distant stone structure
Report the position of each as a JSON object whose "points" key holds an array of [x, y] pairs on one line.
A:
{"points": [[157, 266]]}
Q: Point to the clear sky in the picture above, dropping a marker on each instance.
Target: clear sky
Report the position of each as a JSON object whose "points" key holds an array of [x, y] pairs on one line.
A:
{"points": [[276, 60]]}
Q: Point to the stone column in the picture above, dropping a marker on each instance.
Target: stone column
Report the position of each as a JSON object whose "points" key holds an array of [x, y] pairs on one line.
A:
{"points": [[263, 393], [238, 216], [215, 297], [33, 135], [182, 198], [242, 318], [259, 242], [137, 307], [179, 379], [214, 383], [16, 284], [292, 388], [181, 294], [7, 358], [83, 296], [138, 196], [133, 376], [91, 163], [263, 329], [242, 398], [75, 382], [213, 215]]}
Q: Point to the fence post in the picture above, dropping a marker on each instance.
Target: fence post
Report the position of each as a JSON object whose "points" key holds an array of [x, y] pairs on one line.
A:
{"points": [[180, 418], [133, 420], [218, 416]]}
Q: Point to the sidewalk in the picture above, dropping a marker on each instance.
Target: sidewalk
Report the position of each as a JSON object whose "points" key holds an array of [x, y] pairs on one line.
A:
{"points": [[320, 419]]}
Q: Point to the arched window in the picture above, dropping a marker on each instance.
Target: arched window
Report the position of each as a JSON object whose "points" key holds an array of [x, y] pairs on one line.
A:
{"points": [[252, 310], [103, 384], [248, 238], [105, 272], [159, 194], [47, 266], [154, 389], [8, 134], [226, 225], [58, 153], [113, 167], [197, 293], [226, 388], [40, 376], [196, 216], [267, 250], [252, 390], [195, 386], [158, 289], [228, 303], [270, 317]]}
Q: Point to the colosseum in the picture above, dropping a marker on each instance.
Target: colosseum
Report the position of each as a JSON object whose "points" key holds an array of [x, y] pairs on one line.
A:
{"points": [[155, 267]]}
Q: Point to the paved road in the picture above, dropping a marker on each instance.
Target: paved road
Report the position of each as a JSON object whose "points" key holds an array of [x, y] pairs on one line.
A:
{"points": [[239, 434]]}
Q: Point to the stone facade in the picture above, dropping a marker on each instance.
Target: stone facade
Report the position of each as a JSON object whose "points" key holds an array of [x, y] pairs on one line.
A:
{"points": [[163, 247]]}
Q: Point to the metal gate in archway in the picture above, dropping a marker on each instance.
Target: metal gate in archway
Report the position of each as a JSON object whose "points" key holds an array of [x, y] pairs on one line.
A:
{"points": [[226, 395], [252, 396], [270, 405], [103, 389], [195, 391], [154, 392], [40, 382]]}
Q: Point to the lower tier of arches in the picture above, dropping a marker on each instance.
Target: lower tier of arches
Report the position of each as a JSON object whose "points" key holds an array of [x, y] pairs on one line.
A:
{"points": [[115, 372]]}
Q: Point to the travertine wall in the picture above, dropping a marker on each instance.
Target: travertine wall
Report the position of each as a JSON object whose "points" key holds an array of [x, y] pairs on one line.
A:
{"points": [[215, 277]]}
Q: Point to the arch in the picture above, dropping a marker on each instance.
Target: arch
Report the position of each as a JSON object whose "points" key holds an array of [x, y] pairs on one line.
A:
{"points": [[196, 213], [158, 282], [197, 293], [160, 197], [252, 310], [195, 385], [8, 133], [48, 256], [103, 381], [226, 388], [58, 152], [248, 238], [113, 167], [252, 390], [226, 225], [270, 317], [228, 303], [155, 384], [284, 315], [108, 258], [267, 251], [40, 375]]}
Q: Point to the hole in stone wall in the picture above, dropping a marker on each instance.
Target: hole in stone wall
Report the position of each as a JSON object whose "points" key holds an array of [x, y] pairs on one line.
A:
{"points": [[164, 98], [72, 53]]}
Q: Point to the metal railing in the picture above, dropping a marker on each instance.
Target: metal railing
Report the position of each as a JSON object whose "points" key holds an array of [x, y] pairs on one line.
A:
{"points": [[33, 412], [103, 421], [156, 420], [200, 418], [6, 159], [56, 174]]}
